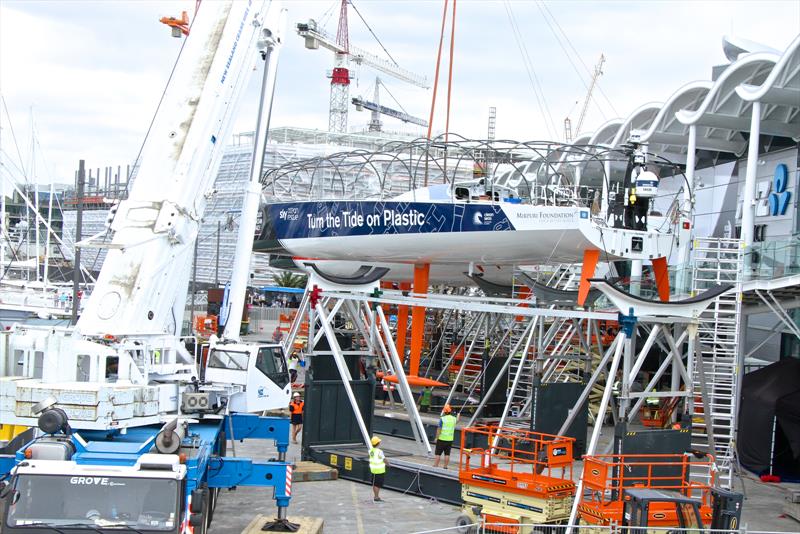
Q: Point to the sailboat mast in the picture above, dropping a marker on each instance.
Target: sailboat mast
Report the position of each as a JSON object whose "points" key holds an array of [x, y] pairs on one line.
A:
{"points": [[35, 199], [47, 235]]}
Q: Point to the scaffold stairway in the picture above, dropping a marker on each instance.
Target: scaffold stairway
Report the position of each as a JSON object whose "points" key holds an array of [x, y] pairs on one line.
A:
{"points": [[717, 261]]}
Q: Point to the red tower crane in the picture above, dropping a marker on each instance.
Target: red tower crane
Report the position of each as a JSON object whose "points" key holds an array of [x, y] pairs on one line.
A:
{"points": [[344, 55]]}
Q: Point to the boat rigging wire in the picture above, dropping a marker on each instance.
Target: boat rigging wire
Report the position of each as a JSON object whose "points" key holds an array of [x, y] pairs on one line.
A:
{"points": [[436, 74], [541, 5], [541, 100], [450, 71], [14, 137]]}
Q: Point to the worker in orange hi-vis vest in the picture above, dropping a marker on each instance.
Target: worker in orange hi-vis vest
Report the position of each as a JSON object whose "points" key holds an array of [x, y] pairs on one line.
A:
{"points": [[296, 409]]}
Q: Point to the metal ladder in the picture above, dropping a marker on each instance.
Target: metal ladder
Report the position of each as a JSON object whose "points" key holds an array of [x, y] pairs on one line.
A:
{"points": [[716, 372]]}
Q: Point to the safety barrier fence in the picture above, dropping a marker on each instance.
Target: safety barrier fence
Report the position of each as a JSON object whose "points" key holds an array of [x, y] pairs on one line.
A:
{"points": [[491, 528]]}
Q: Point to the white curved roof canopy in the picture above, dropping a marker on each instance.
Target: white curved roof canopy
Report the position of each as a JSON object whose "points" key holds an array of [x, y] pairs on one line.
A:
{"points": [[640, 119], [666, 135], [723, 115], [605, 134], [780, 91]]}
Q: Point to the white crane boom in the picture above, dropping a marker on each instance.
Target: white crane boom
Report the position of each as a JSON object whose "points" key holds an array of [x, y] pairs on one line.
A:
{"points": [[142, 286], [316, 36], [126, 350], [598, 71]]}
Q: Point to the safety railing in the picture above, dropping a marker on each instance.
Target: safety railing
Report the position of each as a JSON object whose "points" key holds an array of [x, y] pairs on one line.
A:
{"points": [[491, 528], [605, 477], [773, 259], [516, 458]]}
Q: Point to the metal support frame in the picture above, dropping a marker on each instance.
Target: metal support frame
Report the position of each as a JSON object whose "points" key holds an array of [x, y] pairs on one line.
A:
{"points": [[778, 310], [498, 379], [295, 326], [344, 372], [515, 383], [598, 425], [707, 415], [464, 361], [748, 201], [648, 389], [587, 390], [405, 390]]}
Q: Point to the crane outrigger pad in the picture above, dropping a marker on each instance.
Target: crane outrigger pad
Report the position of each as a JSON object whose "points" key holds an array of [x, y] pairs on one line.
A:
{"points": [[642, 307]]}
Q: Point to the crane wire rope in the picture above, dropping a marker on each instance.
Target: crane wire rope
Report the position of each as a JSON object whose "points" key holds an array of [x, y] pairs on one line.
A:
{"points": [[393, 98], [372, 32], [326, 16], [541, 101], [149, 127]]}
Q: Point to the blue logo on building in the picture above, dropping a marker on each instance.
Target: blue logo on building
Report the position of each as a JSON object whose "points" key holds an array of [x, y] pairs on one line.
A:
{"points": [[584, 214], [779, 198]]}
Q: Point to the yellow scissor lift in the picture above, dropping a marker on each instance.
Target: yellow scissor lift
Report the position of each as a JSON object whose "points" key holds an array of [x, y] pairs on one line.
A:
{"points": [[519, 478]]}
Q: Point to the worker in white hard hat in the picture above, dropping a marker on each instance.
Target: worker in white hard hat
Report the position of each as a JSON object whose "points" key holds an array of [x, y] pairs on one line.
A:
{"points": [[296, 409], [377, 466]]}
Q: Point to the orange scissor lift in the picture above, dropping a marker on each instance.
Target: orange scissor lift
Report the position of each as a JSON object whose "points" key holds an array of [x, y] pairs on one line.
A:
{"points": [[605, 477], [524, 479]]}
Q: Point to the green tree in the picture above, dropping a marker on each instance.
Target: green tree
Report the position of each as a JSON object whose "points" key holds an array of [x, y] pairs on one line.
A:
{"points": [[289, 279]]}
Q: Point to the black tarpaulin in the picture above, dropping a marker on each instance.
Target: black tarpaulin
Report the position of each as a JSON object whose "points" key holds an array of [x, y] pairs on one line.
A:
{"points": [[767, 393]]}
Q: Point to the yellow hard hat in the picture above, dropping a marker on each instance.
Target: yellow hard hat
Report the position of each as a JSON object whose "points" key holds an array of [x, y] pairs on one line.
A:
{"points": [[375, 440]]}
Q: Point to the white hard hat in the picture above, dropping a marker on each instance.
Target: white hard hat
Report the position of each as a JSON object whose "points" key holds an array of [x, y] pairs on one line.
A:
{"points": [[296, 394]]}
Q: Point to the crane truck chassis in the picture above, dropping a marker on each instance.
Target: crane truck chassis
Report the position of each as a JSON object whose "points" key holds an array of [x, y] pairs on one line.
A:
{"points": [[153, 478]]}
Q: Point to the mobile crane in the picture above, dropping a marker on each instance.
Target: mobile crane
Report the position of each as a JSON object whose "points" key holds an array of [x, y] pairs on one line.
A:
{"points": [[132, 426]]}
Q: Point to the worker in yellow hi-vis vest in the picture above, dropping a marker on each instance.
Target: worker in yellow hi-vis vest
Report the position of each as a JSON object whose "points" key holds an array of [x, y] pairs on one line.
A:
{"points": [[445, 435], [377, 466]]}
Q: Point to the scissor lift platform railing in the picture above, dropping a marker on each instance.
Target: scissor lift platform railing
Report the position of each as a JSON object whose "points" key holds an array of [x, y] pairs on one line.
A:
{"points": [[605, 477], [519, 477]]}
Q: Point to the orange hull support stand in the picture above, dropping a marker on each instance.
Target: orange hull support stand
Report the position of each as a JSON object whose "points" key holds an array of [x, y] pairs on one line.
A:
{"points": [[421, 277], [590, 259], [662, 278], [402, 324]]}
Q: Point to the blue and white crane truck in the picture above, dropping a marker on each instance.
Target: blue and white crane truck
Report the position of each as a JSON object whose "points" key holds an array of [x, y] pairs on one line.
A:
{"points": [[132, 426], [143, 479]]}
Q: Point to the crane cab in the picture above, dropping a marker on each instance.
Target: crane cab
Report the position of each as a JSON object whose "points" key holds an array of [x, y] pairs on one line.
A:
{"points": [[257, 373]]}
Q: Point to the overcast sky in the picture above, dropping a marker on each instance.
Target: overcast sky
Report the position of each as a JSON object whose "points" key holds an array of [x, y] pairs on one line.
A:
{"points": [[90, 73]]}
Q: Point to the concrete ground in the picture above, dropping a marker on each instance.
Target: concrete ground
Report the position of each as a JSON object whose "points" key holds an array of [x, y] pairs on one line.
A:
{"points": [[347, 506]]}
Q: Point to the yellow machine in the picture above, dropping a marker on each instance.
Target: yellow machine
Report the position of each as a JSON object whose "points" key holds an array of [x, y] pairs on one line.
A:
{"points": [[519, 478]]}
